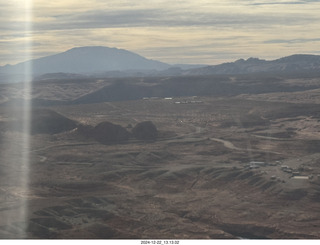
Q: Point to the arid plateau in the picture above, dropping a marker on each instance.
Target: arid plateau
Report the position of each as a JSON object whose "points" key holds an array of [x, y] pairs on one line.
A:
{"points": [[188, 157]]}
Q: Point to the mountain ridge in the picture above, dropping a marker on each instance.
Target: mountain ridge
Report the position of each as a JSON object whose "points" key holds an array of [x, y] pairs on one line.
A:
{"points": [[289, 64], [89, 59], [114, 62]]}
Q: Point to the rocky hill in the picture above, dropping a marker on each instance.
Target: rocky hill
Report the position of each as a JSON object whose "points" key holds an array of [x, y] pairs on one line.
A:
{"points": [[292, 64]]}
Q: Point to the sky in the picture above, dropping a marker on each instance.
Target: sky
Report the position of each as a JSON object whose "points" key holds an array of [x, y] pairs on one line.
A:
{"points": [[171, 31]]}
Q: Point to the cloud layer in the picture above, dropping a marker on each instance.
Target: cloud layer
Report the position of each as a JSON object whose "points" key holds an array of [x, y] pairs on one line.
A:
{"points": [[203, 31]]}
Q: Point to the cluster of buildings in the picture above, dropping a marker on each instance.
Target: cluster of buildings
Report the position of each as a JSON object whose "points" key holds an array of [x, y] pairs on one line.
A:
{"points": [[189, 102], [295, 174], [254, 164], [193, 101]]}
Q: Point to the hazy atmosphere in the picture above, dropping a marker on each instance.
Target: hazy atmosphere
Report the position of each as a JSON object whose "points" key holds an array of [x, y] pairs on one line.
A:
{"points": [[159, 120], [195, 32]]}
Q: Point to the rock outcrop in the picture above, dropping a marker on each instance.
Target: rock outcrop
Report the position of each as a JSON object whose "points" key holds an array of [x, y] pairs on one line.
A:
{"points": [[145, 131], [108, 133]]}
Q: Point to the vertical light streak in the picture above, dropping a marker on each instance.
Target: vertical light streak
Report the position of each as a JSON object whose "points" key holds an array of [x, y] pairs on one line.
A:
{"points": [[15, 154], [26, 116]]}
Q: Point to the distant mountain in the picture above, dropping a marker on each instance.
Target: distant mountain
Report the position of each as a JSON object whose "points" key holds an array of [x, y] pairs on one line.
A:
{"points": [[113, 62], [87, 60], [292, 64]]}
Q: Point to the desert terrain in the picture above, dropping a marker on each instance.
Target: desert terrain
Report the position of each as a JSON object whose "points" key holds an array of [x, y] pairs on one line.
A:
{"points": [[234, 157]]}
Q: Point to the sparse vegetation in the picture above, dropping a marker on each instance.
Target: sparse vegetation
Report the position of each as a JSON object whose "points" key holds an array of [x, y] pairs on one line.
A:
{"points": [[151, 167]]}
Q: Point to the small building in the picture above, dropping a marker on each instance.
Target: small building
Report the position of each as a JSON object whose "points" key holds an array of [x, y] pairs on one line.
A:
{"points": [[258, 163], [295, 173], [300, 177], [254, 166]]}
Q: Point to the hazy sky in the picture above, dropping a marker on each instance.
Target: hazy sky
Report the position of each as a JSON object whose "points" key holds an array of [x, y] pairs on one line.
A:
{"points": [[175, 31]]}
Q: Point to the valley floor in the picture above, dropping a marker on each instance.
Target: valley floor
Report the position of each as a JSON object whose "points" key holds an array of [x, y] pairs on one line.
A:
{"points": [[225, 167]]}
